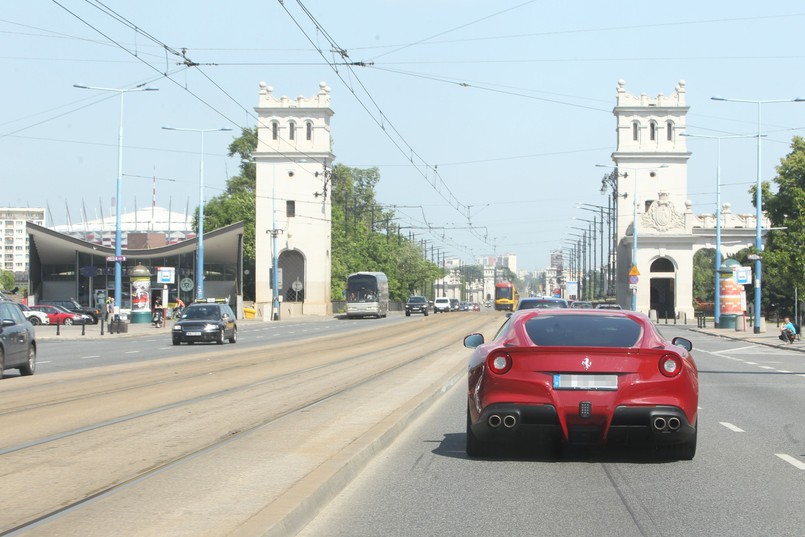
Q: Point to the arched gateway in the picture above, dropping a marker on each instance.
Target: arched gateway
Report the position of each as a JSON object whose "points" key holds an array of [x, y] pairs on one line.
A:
{"points": [[658, 233]]}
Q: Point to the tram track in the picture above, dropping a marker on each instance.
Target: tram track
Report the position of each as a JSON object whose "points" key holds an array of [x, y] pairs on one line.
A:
{"points": [[328, 369]]}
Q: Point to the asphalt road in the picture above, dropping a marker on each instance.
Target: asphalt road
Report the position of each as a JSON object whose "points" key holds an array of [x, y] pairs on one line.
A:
{"points": [[71, 351], [748, 477]]}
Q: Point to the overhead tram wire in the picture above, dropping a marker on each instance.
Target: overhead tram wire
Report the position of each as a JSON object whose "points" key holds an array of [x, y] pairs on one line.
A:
{"points": [[451, 198]]}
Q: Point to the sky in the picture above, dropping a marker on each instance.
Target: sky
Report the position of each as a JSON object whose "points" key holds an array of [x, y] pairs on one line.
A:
{"points": [[486, 120]]}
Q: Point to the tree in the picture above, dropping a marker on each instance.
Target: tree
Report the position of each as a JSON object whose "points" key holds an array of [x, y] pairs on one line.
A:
{"points": [[238, 203], [7, 280], [784, 254]]}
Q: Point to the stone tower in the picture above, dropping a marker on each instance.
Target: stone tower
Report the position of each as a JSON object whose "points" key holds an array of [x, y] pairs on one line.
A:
{"points": [[651, 188], [294, 150]]}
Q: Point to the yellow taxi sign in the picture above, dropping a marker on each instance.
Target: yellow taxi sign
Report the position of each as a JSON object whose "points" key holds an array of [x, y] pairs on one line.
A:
{"points": [[634, 271]]}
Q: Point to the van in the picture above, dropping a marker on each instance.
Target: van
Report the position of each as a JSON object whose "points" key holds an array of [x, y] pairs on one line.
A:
{"points": [[441, 305]]}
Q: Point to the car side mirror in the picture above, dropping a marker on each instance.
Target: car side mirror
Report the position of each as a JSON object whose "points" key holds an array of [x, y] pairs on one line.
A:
{"points": [[682, 342], [473, 340]]}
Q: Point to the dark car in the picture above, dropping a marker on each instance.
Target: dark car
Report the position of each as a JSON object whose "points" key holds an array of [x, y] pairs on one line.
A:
{"points": [[17, 341], [206, 321], [582, 377], [541, 303], [416, 304], [581, 304], [71, 305], [454, 304]]}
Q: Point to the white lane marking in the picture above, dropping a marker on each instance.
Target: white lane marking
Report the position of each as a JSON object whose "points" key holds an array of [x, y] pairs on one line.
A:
{"points": [[44, 362], [765, 366], [752, 363], [731, 427], [735, 349], [91, 356], [796, 463], [784, 371], [801, 375], [131, 352]]}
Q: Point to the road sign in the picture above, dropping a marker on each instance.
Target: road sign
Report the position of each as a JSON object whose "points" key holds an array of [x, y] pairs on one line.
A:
{"points": [[633, 280], [754, 257], [634, 271], [186, 285], [112, 258], [166, 274]]}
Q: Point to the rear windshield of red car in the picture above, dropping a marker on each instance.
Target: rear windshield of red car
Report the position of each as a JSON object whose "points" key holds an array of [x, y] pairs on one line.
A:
{"points": [[583, 331]]}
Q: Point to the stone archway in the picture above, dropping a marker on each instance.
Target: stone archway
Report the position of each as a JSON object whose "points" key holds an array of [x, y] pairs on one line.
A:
{"points": [[662, 288], [292, 267]]}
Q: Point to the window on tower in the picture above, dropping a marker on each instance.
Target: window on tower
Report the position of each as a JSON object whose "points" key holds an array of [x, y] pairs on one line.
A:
{"points": [[275, 130], [635, 131], [309, 131], [291, 130]]}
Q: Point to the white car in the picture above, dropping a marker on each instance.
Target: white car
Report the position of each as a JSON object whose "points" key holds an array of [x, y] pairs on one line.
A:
{"points": [[441, 305], [34, 317]]}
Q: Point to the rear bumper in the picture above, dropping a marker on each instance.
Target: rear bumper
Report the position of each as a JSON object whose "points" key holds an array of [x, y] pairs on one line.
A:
{"points": [[662, 425]]}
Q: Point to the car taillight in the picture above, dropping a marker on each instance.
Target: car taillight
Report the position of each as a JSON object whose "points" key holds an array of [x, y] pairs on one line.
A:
{"points": [[499, 363], [670, 365]]}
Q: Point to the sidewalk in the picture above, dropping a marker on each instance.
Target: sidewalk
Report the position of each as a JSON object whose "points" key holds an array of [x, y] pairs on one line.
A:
{"points": [[768, 338]]}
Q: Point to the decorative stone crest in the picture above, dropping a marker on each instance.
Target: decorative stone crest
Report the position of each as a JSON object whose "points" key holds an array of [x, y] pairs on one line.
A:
{"points": [[662, 215]]}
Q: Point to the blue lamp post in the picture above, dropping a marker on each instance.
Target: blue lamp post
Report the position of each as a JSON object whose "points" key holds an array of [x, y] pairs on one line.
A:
{"points": [[758, 201], [119, 188], [717, 303], [200, 238]]}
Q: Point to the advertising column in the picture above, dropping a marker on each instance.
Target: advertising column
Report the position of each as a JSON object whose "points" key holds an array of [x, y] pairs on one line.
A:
{"points": [[140, 278]]}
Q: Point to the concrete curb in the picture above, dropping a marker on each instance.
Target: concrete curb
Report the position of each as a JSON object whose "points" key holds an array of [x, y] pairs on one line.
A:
{"points": [[290, 513]]}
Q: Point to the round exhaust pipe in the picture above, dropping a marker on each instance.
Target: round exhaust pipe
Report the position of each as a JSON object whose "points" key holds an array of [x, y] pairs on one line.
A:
{"points": [[674, 423], [659, 423], [509, 421], [494, 421]]}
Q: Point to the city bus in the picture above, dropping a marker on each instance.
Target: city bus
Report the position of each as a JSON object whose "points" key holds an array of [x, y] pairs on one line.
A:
{"points": [[367, 294], [506, 296]]}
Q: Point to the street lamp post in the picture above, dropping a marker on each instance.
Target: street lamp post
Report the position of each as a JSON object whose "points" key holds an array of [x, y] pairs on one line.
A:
{"points": [[592, 239], [119, 187], [717, 301], [758, 200], [591, 207], [634, 220], [200, 238]]}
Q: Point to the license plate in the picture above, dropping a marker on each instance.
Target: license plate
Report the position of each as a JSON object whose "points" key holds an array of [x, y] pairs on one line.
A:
{"points": [[192, 333], [585, 382]]}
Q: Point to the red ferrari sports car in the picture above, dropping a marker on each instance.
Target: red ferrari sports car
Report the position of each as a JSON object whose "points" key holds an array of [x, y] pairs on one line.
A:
{"points": [[581, 376]]}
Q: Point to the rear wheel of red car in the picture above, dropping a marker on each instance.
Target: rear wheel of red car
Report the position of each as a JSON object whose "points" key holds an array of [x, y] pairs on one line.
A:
{"points": [[68, 322], [475, 446]]}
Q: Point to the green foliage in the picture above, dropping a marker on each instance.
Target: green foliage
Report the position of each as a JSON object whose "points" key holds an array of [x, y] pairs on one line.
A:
{"points": [[364, 238], [784, 254], [704, 275], [7, 280]]}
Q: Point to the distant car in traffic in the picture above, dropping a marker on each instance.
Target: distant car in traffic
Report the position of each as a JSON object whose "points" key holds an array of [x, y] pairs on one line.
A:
{"points": [[581, 304], [58, 315], [608, 306], [17, 340], [35, 317], [71, 305], [417, 304], [441, 305], [454, 304], [205, 322], [541, 303], [581, 377]]}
